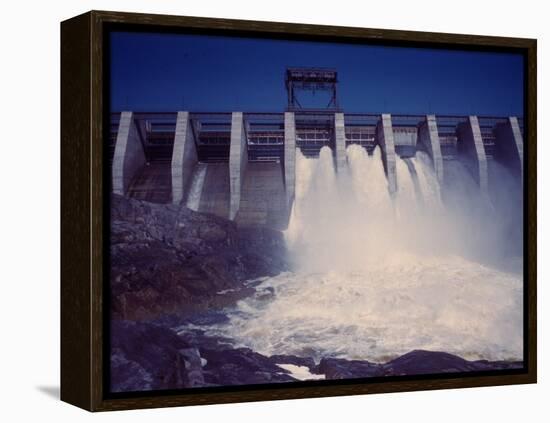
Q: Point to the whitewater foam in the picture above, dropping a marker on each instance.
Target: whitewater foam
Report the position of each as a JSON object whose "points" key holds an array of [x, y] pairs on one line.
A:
{"points": [[439, 304], [375, 277]]}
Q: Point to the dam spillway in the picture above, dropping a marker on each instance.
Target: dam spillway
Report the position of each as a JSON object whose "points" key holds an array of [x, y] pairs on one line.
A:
{"points": [[242, 166], [375, 275]]}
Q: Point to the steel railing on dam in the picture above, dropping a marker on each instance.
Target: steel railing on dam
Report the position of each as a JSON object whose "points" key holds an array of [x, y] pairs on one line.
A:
{"points": [[154, 154]]}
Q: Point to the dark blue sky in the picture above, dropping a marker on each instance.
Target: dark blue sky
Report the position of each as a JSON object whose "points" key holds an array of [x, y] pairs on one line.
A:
{"points": [[165, 72]]}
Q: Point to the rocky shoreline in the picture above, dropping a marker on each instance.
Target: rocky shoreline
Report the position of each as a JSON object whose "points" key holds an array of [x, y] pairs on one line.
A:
{"points": [[148, 356], [170, 265]]}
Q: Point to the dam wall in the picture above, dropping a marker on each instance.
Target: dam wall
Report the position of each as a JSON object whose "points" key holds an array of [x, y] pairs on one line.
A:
{"points": [[215, 194], [472, 148], [263, 197], [242, 165], [129, 154]]}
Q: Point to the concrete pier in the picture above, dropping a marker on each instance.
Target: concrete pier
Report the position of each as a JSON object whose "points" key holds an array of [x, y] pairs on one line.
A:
{"points": [[184, 158], [471, 147], [238, 160], [129, 156], [384, 138], [340, 142], [290, 157], [509, 145], [428, 137]]}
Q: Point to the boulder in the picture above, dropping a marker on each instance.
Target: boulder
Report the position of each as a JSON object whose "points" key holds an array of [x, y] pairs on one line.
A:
{"points": [[150, 357], [337, 368], [241, 366], [428, 362]]}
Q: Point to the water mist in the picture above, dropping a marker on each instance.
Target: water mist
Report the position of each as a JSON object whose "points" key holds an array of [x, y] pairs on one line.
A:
{"points": [[375, 277]]}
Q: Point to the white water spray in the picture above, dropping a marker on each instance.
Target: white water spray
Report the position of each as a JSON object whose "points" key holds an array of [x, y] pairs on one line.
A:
{"points": [[376, 277], [195, 191]]}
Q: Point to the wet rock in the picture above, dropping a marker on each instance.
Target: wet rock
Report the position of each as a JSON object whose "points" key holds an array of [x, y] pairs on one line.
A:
{"points": [[336, 368], [212, 233], [193, 367], [198, 338], [226, 364], [127, 375], [428, 362], [204, 318], [416, 362], [147, 356], [265, 250], [241, 366], [266, 294], [498, 365], [150, 357]]}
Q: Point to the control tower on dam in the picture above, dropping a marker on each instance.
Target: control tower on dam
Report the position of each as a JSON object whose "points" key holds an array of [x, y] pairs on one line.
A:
{"points": [[242, 165]]}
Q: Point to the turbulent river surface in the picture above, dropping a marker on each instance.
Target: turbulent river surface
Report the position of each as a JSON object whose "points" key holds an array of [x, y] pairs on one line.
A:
{"points": [[435, 267]]}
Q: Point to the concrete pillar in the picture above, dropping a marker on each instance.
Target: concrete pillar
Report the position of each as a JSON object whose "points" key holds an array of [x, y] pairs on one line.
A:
{"points": [[340, 142], [509, 145], [238, 159], [384, 138], [184, 158], [471, 147], [428, 136], [290, 157], [129, 155]]}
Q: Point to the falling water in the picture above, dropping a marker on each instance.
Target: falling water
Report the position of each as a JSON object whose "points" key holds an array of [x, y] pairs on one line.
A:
{"points": [[375, 276], [195, 191]]}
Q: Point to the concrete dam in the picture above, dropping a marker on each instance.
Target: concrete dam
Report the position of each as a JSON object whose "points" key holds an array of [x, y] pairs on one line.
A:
{"points": [[403, 232], [242, 166]]}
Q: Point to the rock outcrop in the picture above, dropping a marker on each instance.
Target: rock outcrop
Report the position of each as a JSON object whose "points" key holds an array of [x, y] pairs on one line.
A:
{"points": [[337, 368], [417, 362], [147, 356], [170, 260], [150, 357]]}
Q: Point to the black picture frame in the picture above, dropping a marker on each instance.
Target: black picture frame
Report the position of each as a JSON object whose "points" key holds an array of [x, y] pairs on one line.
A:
{"points": [[85, 210]]}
